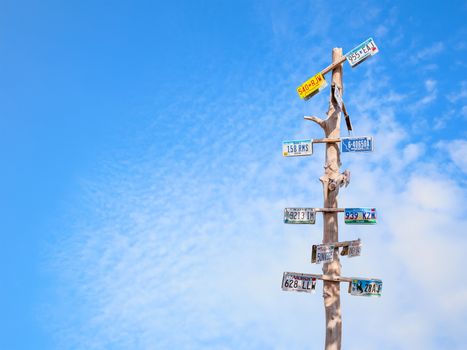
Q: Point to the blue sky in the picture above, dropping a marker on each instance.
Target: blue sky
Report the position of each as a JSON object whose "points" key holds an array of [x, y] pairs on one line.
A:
{"points": [[143, 183]]}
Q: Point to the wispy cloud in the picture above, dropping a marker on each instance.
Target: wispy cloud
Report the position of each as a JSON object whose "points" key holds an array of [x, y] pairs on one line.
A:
{"points": [[430, 86], [423, 100], [457, 151], [427, 53], [190, 255], [459, 94], [182, 245]]}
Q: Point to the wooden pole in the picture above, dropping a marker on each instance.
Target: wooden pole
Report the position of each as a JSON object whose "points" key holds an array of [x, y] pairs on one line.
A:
{"points": [[332, 270], [333, 65], [337, 210]]}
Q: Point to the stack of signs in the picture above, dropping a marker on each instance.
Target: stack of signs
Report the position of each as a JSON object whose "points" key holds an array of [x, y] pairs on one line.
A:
{"points": [[322, 253], [298, 282], [366, 287], [361, 52], [357, 144], [299, 216], [312, 86], [297, 148], [360, 216]]}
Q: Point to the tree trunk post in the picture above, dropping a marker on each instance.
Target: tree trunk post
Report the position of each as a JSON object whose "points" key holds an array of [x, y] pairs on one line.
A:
{"points": [[331, 290]]}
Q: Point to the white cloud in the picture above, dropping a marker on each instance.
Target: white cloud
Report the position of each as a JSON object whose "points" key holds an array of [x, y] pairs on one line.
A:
{"points": [[381, 31], [464, 112], [427, 53], [459, 94], [422, 101], [187, 250], [189, 261], [457, 151], [430, 86]]}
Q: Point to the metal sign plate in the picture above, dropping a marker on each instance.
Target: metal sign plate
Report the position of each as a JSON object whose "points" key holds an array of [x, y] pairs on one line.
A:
{"points": [[366, 287], [312, 86], [297, 148], [338, 97], [298, 282], [322, 253], [355, 248], [357, 144], [360, 216], [360, 53], [299, 216]]}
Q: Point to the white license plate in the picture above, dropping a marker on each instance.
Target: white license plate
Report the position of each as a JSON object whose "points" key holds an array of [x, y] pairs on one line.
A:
{"points": [[355, 248], [299, 216], [322, 253], [297, 148], [298, 282], [360, 53], [338, 97]]}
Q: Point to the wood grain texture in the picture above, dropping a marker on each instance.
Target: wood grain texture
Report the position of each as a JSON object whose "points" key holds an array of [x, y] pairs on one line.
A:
{"points": [[332, 270]]}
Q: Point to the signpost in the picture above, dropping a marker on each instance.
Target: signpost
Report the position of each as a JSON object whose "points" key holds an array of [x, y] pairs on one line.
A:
{"points": [[297, 148], [363, 216], [357, 144], [332, 180], [299, 216]]}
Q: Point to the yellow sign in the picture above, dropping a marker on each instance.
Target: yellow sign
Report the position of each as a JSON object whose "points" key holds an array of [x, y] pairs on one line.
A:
{"points": [[312, 86]]}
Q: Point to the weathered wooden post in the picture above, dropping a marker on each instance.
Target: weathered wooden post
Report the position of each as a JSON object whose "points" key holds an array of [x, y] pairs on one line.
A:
{"points": [[331, 290], [331, 181]]}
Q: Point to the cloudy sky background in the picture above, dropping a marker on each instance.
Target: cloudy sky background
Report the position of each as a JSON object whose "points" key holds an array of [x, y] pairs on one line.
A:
{"points": [[144, 182]]}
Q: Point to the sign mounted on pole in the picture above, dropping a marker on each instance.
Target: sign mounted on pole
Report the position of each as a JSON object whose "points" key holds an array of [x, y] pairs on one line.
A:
{"points": [[360, 216], [299, 216], [322, 253], [360, 53], [312, 86], [352, 248], [298, 282], [357, 144], [355, 247], [366, 287], [297, 148], [337, 97]]}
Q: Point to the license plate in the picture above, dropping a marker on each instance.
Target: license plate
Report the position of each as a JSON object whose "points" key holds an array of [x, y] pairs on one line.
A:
{"points": [[299, 216], [338, 97], [297, 148], [298, 282], [355, 248], [360, 216], [366, 288], [360, 53], [312, 86], [322, 253], [357, 144]]}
